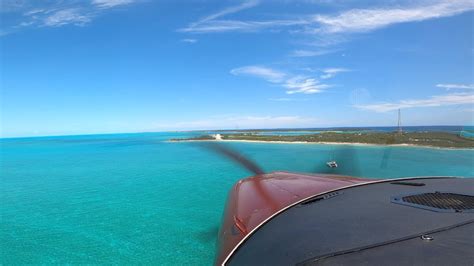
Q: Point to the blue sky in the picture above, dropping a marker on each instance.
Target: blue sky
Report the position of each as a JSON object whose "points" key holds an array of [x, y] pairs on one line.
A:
{"points": [[102, 66]]}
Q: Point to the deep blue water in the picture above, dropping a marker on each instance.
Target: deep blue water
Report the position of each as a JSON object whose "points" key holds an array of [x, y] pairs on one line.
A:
{"points": [[136, 198]]}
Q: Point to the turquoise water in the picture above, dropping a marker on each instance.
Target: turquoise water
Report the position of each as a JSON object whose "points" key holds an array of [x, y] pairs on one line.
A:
{"points": [[135, 198]]}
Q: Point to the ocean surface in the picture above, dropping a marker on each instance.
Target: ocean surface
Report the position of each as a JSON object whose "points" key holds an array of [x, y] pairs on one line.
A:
{"points": [[137, 198]]}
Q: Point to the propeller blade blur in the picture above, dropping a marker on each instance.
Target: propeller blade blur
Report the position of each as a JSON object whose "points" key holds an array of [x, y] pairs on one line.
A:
{"points": [[234, 156]]}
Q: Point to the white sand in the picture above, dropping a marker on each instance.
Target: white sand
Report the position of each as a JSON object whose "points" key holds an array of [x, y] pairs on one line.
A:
{"points": [[332, 143]]}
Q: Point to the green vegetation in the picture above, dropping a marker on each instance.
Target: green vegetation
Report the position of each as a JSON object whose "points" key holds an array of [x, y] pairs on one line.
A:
{"points": [[432, 139]]}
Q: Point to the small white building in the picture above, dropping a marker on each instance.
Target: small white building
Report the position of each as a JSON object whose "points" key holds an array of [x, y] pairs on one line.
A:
{"points": [[218, 136]]}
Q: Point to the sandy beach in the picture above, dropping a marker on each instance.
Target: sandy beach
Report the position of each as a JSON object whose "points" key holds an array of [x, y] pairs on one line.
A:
{"points": [[322, 143]]}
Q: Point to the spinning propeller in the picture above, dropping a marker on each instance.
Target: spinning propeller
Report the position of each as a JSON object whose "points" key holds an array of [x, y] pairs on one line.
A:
{"points": [[345, 156], [234, 156]]}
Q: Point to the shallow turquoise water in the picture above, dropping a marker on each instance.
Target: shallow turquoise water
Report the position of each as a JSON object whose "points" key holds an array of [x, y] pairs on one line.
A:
{"points": [[135, 198]]}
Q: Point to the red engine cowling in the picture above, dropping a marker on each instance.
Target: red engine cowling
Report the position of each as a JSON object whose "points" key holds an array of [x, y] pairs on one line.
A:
{"points": [[254, 200]]}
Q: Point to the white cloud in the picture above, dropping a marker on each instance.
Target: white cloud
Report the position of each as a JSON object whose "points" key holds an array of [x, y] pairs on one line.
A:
{"points": [[111, 3], [362, 20], [189, 40], [230, 10], [456, 86], [67, 16], [332, 72], [353, 20], [237, 25], [310, 53], [301, 84], [293, 83], [266, 73], [34, 11], [433, 101], [211, 24], [59, 13]]}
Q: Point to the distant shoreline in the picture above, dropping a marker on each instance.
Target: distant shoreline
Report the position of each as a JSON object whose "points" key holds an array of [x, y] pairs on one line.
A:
{"points": [[321, 143], [441, 140]]}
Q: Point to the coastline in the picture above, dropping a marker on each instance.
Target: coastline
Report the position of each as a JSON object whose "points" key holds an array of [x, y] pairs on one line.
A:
{"points": [[322, 143]]}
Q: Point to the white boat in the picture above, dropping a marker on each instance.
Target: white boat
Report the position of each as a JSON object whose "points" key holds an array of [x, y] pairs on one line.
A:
{"points": [[332, 164]]}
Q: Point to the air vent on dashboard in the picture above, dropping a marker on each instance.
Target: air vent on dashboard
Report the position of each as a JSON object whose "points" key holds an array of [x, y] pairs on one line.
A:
{"points": [[438, 201], [322, 197]]}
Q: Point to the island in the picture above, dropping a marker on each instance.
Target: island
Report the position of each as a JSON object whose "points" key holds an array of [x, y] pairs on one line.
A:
{"points": [[428, 139]]}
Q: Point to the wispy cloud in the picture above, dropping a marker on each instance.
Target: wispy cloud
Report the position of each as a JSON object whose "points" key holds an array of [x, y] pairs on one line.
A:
{"points": [[266, 73], [350, 21], [34, 11], [433, 101], [305, 85], [332, 72], [229, 10], [311, 53], [293, 83], [456, 86], [211, 24], [67, 16], [189, 40], [323, 33], [57, 13], [362, 20], [111, 3]]}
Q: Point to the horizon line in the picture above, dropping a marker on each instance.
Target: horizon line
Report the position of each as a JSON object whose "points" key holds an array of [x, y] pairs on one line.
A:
{"points": [[222, 129]]}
